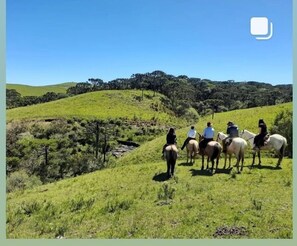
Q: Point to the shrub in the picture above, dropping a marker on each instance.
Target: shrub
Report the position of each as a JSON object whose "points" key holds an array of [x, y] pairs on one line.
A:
{"points": [[283, 126], [21, 180], [166, 192]]}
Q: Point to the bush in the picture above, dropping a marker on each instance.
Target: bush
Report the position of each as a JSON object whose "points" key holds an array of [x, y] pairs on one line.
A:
{"points": [[21, 180], [283, 126]]}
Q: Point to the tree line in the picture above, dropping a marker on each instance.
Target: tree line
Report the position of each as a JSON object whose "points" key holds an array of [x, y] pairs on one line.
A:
{"points": [[204, 95]]}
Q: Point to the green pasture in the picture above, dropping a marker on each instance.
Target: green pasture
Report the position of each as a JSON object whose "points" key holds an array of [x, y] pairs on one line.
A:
{"points": [[135, 201], [244, 118], [27, 90], [102, 105]]}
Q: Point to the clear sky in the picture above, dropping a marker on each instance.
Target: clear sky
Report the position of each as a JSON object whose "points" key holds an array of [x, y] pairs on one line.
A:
{"points": [[55, 41]]}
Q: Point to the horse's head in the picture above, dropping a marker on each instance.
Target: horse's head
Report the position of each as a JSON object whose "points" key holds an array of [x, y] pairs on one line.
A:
{"points": [[220, 136]]}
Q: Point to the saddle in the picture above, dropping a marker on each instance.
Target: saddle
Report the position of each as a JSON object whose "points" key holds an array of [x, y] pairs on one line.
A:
{"points": [[228, 141], [263, 141]]}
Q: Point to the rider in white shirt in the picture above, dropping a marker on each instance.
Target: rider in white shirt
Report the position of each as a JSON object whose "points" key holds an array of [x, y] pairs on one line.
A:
{"points": [[208, 135], [191, 135]]}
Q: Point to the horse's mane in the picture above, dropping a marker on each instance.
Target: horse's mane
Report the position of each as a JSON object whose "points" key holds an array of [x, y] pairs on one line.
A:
{"points": [[247, 131]]}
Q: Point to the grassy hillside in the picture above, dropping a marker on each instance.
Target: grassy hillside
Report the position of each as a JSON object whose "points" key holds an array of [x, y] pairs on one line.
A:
{"points": [[27, 90], [245, 119], [102, 104], [135, 201]]}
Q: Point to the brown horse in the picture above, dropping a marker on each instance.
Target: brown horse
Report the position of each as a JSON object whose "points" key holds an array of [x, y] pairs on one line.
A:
{"points": [[192, 150], [213, 151], [170, 154]]}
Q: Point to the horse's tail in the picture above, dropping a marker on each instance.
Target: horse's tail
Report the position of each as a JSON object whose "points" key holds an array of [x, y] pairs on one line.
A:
{"points": [[172, 155], [216, 152], [196, 149], [283, 148], [241, 152]]}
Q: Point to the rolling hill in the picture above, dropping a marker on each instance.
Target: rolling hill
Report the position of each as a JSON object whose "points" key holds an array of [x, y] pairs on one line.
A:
{"points": [[135, 201], [102, 104], [27, 90]]}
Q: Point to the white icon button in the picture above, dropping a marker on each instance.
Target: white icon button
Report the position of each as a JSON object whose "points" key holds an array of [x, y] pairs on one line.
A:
{"points": [[260, 28]]}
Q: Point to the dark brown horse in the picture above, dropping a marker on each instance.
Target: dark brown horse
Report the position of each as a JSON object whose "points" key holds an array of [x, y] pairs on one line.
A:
{"points": [[170, 154], [213, 151]]}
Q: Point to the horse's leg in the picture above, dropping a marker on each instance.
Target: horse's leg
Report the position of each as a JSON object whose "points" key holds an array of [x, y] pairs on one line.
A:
{"points": [[229, 161], [225, 160], [187, 156], [172, 168], [280, 158], [242, 160], [212, 165], [168, 169], [259, 156], [202, 168], [207, 162], [254, 156], [217, 163], [237, 163]]}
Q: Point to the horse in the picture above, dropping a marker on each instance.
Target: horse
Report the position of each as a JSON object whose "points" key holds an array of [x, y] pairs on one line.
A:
{"points": [[170, 154], [213, 151], [237, 147], [192, 150], [274, 141]]}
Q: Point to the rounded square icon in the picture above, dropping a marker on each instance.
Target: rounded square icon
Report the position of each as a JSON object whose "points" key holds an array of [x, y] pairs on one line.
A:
{"points": [[259, 26]]}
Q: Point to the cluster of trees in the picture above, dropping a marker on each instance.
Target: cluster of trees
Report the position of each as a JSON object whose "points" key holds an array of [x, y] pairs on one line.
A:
{"points": [[15, 99], [204, 95], [183, 93], [42, 152]]}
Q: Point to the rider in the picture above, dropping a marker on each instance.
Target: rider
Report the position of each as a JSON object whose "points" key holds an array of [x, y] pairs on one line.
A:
{"points": [[170, 139], [207, 135], [232, 132], [259, 139], [191, 135]]}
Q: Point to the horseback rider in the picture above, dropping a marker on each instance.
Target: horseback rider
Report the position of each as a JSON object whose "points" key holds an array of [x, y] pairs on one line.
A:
{"points": [[259, 139], [170, 139], [232, 132], [191, 135], [207, 135]]}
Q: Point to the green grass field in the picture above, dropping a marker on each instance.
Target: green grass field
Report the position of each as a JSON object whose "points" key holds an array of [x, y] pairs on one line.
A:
{"points": [[135, 201], [102, 104], [245, 119], [27, 90]]}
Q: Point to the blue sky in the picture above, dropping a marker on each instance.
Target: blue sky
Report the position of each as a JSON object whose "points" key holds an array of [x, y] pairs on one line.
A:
{"points": [[55, 41]]}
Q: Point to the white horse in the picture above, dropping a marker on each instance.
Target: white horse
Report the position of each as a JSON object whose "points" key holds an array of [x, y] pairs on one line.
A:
{"points": [[274, 141], [236, 147]]}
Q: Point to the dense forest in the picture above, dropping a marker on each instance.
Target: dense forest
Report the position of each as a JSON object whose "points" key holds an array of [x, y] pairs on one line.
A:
{"points": [[204, 95]]}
